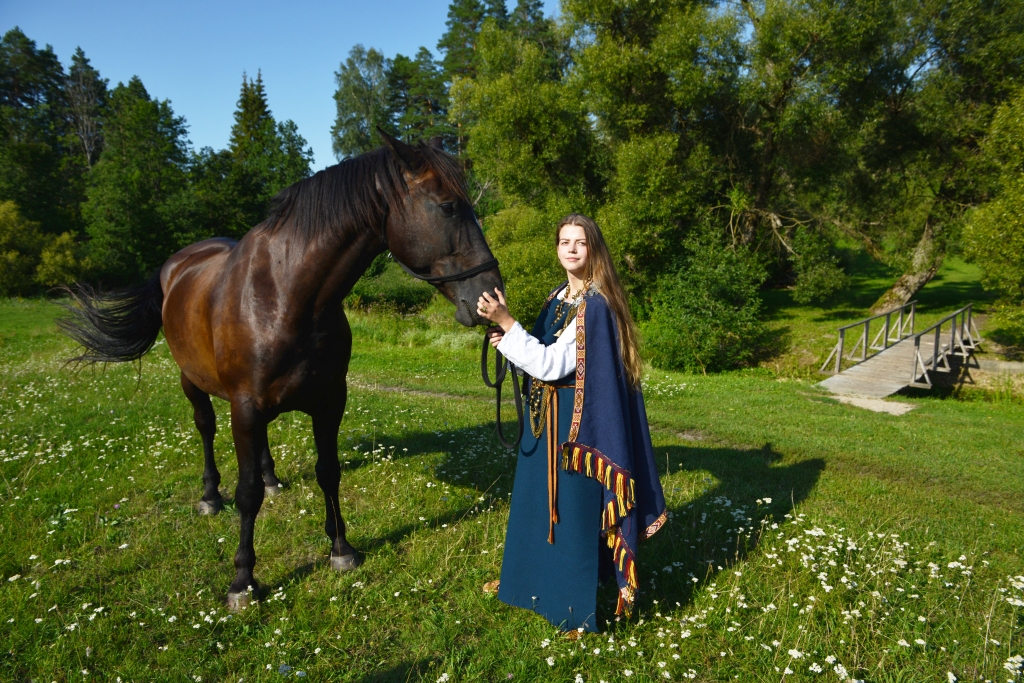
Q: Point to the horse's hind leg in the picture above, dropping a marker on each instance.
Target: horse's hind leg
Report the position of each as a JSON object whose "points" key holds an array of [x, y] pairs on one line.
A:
{"points": [[206, 422], [328, 475], [249, 428], [270, 481]]}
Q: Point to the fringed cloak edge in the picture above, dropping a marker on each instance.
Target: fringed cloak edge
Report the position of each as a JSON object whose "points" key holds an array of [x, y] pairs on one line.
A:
{"points": [[609, 440]]}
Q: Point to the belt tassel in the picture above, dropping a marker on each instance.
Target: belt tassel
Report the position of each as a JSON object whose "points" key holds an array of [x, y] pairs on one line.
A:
{"points": [[552, 426]]}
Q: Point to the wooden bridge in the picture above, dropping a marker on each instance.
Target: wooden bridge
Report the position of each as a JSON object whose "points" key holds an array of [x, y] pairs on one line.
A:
{"points": [[898, 356]]}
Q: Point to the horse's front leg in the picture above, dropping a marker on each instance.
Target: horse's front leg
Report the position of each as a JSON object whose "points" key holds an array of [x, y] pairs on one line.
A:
{"points": [[249, 429], [328, 474]]}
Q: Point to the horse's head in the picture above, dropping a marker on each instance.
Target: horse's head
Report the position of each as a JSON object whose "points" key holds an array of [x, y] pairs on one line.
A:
{"points": [[437, 233]]}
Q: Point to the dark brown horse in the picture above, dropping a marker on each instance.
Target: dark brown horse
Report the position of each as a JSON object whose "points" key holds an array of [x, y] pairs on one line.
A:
{"points": [[260, 324]]}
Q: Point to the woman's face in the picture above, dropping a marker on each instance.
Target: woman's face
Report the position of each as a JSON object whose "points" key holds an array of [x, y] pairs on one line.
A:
{"points": [[572, 250]]}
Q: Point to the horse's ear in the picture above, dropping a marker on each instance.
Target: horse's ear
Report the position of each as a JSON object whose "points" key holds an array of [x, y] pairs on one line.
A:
{"points": [[408, 156], [437, 142]]}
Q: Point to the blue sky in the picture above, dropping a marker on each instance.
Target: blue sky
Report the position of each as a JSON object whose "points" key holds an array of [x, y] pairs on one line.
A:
{"points": [[194, 53]]}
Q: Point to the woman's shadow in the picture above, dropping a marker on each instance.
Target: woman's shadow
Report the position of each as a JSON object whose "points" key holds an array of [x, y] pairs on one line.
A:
{"points": [[714, 521]]}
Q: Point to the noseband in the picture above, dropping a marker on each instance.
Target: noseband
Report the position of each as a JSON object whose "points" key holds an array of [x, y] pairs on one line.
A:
{"points": [[438, 279]]}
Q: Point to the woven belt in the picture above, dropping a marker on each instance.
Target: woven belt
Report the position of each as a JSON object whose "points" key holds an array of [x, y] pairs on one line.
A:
{"points": [[550, 408]]}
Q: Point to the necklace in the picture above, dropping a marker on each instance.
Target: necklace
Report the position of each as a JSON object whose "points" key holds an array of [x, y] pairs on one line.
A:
{"points": [[539, 390], [570, 302]]}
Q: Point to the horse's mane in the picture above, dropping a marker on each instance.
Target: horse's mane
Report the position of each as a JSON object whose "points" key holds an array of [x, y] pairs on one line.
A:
{"points": [[355, 194]]}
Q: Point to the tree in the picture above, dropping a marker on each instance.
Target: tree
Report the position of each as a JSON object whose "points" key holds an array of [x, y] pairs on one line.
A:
{"points": [[87, 100], [922, 166], [994, 233], [530, 140], [230, 191], [418, 98], [253, 133], [20, 245], [459, 42], [528, 22], [139, 173], [362, 102], [273, 152], [34, 135]]}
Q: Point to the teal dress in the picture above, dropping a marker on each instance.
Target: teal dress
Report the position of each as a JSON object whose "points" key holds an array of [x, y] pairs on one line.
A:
{"points": [[556, 580]]}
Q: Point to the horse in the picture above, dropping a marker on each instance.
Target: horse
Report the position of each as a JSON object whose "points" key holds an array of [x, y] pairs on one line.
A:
{"points": [[260, 322]]}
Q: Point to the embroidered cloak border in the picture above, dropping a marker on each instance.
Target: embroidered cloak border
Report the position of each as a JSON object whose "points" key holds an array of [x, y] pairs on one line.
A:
{"points": [[609, 440]]}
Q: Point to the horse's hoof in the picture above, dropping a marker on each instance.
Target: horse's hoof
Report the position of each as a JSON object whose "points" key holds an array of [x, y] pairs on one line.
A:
{"points": [[272, 491], [206, 507], [239, 601], [345, 563]]}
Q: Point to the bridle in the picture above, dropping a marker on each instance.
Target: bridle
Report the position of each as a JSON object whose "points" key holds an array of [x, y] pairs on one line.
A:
{"points": [[382, 235], [462, 275], [501, 364]]}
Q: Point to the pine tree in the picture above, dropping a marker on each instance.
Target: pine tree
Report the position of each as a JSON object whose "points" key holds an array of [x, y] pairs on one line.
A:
{"points": [[254, 135], [528, 21], [418, 97], [465, 19], [34, 133], [139, 173], [230, 190]]}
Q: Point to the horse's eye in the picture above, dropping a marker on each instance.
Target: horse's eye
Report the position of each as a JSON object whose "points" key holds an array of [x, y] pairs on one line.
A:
{"points": [[448, 208]]}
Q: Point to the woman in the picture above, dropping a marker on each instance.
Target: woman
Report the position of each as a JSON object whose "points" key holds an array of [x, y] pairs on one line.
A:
{"points": [[587, 418]]}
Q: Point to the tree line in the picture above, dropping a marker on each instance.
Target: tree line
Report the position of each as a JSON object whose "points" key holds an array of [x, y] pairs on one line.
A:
{"points": [[720, 145], [101, 183]]}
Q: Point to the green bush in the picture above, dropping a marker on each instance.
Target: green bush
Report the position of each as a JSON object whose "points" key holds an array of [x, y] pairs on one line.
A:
{"points": [[994, 239], [60, 261], [1006, 328], [819, 272], [994, 232], [704, 317], [20, 245], [386, 286]]}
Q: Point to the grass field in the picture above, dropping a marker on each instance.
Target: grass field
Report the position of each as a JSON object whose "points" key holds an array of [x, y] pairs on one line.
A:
{"points": [[808, 540]]}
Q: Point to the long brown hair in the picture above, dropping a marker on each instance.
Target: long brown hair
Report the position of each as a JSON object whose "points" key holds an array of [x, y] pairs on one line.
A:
{"points": [[602, 270]]}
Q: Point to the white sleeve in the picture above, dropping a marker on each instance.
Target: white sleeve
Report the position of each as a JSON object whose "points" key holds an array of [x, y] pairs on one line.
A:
{"points": [[546, 363]]}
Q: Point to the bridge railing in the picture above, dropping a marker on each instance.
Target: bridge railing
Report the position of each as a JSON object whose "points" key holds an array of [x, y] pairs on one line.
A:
{"points": [[961, 339], [898, 325]]}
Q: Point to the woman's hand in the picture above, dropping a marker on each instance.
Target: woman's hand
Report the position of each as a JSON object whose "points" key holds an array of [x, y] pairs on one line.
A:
{"points": [[495, 310], [494, 335]]}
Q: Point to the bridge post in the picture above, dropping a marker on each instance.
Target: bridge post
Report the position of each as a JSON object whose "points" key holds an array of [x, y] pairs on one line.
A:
{"points": [[839, 356]]}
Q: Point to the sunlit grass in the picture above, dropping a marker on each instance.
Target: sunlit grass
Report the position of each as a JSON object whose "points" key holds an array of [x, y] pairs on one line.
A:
{"points": [[805, 535]]}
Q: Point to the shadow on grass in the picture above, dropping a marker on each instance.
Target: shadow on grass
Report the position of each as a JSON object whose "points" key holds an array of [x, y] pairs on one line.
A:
{"points": [[400, 673], [700, 540]]}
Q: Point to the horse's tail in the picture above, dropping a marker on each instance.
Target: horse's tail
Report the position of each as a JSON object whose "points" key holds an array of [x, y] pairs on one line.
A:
{"points": [[114, 326]]}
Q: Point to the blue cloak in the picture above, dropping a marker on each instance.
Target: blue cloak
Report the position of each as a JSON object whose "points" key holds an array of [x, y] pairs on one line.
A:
{"points": [[609, 440], [551, 563]]}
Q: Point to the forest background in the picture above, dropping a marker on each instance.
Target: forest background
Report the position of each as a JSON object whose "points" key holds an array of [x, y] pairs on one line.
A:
{"points": [[724, 147]]}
